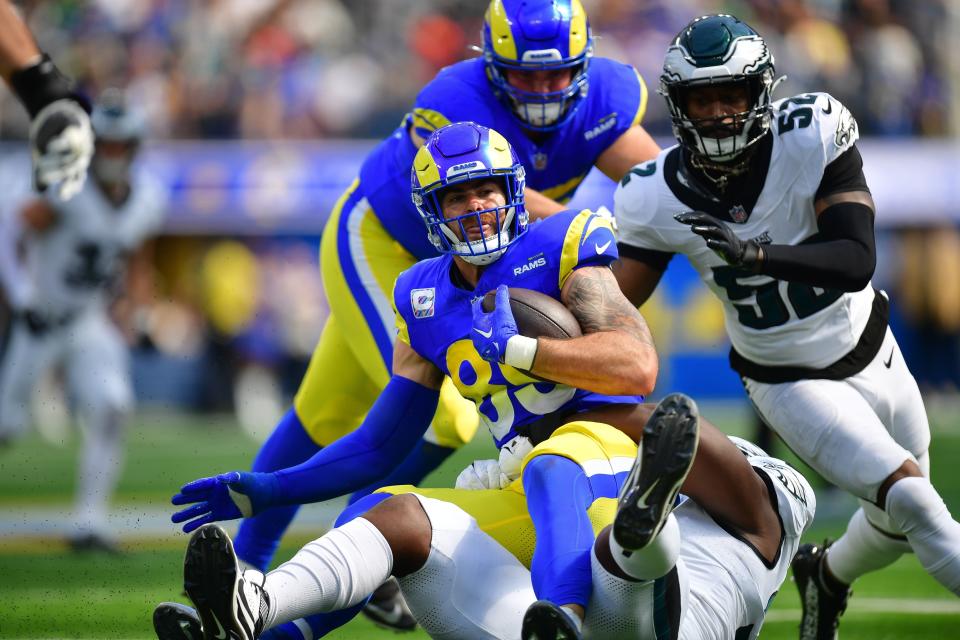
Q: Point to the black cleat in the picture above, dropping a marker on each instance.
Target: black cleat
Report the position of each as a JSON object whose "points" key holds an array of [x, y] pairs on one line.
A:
{"points": [[546, 621], [822, 604], [669, 445], [231, 604], [388, 609], [175, 621]]}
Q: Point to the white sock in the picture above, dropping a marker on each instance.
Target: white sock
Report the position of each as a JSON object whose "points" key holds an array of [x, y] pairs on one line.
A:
{"points": [[654, 560], [916, 507], [101, 459], [577, 622], [331, 573], [861, 549]]}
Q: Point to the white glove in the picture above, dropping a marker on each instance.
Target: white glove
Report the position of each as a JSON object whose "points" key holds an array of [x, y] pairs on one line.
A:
{"points": [[61, 145], [512, 454], [482, 474], [603, 212]]}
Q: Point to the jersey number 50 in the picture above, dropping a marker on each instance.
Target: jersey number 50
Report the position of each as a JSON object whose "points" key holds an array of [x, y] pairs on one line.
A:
{"points": [[770, 309]]}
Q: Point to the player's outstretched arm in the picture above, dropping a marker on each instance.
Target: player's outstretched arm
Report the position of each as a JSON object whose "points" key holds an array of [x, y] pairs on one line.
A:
{"points": [[393, 426], [61, 138], [616, 354]]}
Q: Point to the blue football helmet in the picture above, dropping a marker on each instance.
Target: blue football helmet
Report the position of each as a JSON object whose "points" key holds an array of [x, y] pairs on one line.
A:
{"points": [[462, 152], [533, 35]]}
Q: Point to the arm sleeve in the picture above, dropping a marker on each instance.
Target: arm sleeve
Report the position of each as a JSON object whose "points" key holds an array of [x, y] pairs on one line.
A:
{"points": [[843, 174], [842, 255], [656, 260], [395, 423]]}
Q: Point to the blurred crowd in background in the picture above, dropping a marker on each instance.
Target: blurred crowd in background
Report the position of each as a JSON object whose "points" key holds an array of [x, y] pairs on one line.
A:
{"points": [[331, 69]]}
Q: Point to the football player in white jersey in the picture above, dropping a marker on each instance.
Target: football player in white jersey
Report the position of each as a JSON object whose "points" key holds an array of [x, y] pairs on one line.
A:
{"points": [[74, 253], [659, 570], [769, 202]]}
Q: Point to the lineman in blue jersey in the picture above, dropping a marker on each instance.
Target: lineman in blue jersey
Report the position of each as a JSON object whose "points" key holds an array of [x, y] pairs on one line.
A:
{"points": [[468, 187], [562, 109], [784, 237]]}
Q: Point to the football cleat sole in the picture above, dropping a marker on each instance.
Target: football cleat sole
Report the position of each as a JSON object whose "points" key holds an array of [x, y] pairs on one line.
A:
{"points": [[211, 578], [667, 451], [175, 621], [546, 621]]}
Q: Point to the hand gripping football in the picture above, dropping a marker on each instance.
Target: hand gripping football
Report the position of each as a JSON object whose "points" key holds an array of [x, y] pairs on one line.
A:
{"points": [[537, 314]]}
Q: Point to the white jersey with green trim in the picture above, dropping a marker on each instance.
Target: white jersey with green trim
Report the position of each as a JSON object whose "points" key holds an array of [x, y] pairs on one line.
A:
{"points": [[73, 264], [769, 321]]}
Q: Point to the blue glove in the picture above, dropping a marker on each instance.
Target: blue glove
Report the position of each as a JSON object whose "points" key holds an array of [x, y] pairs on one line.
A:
{"points": [[228, 496], [491, 331]]}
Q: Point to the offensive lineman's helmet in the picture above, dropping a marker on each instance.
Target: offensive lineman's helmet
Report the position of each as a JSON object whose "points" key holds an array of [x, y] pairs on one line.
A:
{"points": [[712, 50], [533, 35], [461, 152]]}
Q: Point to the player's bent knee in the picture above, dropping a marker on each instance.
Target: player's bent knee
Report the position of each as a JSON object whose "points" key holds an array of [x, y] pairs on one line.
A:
{"points": [[405, 525], [360, 507]]}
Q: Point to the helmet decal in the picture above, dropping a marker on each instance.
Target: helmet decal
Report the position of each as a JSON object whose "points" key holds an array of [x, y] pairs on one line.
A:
{"points": [[459, 153]]}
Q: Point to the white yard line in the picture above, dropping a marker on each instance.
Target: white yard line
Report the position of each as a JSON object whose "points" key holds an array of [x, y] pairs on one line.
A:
{"points": [[880, 605]]}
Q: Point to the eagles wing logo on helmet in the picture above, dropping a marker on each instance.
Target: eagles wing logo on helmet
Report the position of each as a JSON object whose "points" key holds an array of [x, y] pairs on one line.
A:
{"points": [[538, 35], [712, 50], [463, 152]]}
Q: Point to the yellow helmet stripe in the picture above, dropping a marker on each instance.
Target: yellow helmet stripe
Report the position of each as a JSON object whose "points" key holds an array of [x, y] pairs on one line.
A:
{"points": [[578, 28], [499, 153], [425, 168], [500, 33]]}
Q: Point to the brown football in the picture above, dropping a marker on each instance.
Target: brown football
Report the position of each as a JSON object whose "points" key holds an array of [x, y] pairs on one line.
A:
{"points": [[537, 314]]}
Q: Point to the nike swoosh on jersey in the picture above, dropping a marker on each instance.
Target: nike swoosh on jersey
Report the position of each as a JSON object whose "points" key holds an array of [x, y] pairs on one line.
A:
{"points": [[602, 247], [889, 360], [485, 334], [829, 108]]}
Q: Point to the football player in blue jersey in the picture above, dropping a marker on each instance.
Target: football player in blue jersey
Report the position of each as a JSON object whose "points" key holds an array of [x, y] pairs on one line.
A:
{"points": [[561, 464], [469, 188], [564, 111]]}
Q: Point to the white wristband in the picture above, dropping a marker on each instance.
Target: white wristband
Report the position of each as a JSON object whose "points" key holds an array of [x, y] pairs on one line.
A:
{"points": [[520, 352]]}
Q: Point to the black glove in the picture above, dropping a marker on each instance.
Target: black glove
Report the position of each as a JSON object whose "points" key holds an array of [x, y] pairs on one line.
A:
{"points": [[721, 238], [61, 138]]}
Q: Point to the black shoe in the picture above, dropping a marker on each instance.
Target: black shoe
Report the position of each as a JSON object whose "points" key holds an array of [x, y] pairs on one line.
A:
{"points": [[93, 543], [388, 609], [822, 604], [669, 445], [231, 603], [546, 621], [175, 621]]}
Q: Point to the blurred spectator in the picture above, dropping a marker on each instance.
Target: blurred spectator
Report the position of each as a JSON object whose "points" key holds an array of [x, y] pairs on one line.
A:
{"points": [[332, 68]]}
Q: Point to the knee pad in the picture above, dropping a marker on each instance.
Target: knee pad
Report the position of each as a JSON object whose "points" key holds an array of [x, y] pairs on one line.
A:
{"points": [[471, 587], [914, 505]]}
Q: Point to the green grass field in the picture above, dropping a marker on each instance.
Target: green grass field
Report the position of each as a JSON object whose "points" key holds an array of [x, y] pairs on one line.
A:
{"points": [[46, 592]]}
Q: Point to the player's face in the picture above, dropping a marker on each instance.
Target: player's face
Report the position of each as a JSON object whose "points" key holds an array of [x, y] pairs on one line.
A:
{"points": [[715, 106], [540, 81], [112, 160], [471, 196]]}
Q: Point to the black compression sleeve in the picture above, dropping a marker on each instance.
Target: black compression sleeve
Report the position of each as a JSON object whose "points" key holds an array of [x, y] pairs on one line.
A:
{"points": [[656, 260], [845, 173], [842, 255]]}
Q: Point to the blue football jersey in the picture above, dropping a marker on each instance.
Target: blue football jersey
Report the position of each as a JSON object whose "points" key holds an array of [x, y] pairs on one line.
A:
{"points": [[555, 164], [435, 318]]}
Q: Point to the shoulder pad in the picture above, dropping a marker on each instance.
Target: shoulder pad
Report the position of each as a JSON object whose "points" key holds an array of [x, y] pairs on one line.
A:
{"points": [[816, 121]]}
